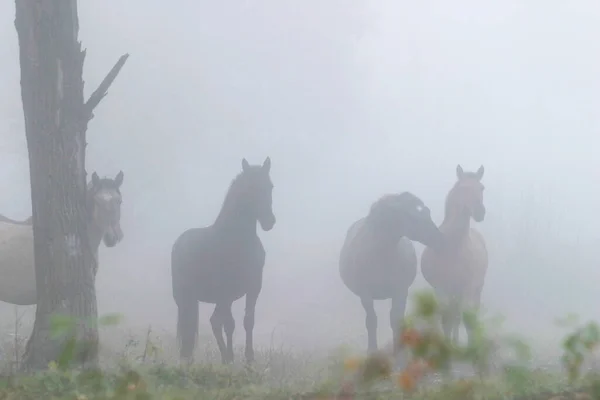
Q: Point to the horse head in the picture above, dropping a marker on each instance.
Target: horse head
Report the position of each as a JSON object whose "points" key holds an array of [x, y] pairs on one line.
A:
{"points": [[259, 192], [467, 194], [405, 214], [104, 206]]}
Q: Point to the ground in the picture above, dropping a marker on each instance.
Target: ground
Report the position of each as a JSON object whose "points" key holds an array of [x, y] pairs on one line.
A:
{"points": [[144, 366]]}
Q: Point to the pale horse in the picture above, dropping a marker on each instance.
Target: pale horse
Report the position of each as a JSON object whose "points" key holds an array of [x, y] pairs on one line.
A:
{"points": [[17, 269]]}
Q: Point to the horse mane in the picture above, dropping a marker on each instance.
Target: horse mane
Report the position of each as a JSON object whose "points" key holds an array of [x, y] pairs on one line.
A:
{"points": [[230, 195], [450, 199]]}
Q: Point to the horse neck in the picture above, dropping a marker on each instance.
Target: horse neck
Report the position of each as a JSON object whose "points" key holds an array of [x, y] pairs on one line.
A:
{"points": [[237, 221], [234, 218], [95, 234], [457, 223]]}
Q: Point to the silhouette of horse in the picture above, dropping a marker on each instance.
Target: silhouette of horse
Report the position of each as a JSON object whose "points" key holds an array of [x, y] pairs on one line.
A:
{"points": [[378, 261], [220, 263], [457, 273], [17, 268]]}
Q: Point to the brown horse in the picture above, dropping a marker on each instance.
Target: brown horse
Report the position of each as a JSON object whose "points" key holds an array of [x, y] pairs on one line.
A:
{"points": [[457, 273]]}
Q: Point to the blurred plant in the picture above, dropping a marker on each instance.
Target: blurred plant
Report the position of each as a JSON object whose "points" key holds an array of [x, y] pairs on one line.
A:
{"points": [[64, 327], [577, 346], [430, 352]]}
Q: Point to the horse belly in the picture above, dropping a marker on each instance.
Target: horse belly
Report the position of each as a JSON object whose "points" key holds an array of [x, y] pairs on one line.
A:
{"points": [[227, 281], [17, 268], [382, 277]]}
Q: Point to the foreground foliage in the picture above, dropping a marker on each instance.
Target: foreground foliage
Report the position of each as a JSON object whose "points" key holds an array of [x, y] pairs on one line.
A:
{"points": [[499, 367]]}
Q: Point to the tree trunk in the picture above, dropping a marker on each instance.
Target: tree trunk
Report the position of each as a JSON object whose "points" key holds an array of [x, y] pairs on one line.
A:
{"points": [[56, 119]]}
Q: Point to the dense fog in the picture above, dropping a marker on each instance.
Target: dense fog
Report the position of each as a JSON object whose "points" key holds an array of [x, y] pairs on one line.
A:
{"points": [[350, 100]]}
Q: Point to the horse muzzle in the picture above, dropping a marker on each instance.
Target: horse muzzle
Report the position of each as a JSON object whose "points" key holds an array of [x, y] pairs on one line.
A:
{"points": [[113, 236], [267, 223], [479, 214]]}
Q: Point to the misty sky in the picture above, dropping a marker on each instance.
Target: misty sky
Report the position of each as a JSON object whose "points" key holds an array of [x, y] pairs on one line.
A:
{"points": [[351, 100]]}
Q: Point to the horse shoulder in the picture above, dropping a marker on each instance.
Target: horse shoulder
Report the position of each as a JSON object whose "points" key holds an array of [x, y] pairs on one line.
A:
{"points": [[428, 265], [193, 245], [478, 244], [407, 255], [479, 256], [261, 253], [407, 251]]}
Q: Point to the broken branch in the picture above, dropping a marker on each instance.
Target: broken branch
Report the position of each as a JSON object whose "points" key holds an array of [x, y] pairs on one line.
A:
{"points": [[102, 90]]}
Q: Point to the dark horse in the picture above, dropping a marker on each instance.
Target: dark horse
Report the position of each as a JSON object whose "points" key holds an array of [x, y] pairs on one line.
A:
{"points": [[378, 261], [220, 263]]}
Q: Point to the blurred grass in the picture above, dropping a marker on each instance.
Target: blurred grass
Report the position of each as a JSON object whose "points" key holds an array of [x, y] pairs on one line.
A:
{"points": [[499, 367]]}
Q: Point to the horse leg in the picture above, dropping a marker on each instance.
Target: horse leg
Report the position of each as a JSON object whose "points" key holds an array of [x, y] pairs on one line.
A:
{"points": [[370, 322], [475, 302], [251, 298], [457, 319], [217, 320], [229, 325], [447, 316], [187, 327], [396, 318]]}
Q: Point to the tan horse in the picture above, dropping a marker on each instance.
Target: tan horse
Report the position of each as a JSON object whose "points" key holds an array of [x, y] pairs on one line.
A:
{"points": [[457, 273], [17, 269]]}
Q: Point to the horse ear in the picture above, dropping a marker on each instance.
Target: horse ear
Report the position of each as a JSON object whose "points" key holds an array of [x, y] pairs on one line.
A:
{"points": [[95, 179], [480, 172], [119, 179], [245, 165], [459, 171], [267, 164]]}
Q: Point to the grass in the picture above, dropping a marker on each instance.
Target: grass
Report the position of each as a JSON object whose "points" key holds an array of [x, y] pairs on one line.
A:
{"points": [[501, 369]]}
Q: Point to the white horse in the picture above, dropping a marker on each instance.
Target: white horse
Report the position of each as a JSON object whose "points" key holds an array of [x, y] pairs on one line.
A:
{"points": [[17, 267]]}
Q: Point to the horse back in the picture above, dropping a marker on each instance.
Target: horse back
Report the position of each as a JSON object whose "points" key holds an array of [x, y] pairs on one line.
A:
{"points": [[28, 221]]}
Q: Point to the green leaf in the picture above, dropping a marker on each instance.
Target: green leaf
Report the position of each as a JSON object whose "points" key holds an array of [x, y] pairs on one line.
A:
{"points": [[68, 354], [426, 304], [110, 319], [61, 325], [471, 320], [568, 321], [518, 377], [522, 349]]}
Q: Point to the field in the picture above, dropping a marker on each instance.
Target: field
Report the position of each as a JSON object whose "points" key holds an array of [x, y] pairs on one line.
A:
{"points": [[302, 293], [494, 366]]}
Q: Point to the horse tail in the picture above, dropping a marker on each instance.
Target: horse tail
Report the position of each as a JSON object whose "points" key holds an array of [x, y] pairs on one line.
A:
{"points": [[187, 327]]}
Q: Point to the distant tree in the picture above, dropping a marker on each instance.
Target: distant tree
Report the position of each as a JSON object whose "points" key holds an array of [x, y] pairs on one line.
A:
{"points": [[56, 119]]}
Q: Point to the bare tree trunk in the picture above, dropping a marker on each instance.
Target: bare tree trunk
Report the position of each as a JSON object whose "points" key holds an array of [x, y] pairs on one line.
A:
{"points": [[56, 119]]}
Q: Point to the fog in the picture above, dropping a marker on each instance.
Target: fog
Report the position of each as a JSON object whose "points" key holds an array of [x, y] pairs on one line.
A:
{"points": [[351, 100]]}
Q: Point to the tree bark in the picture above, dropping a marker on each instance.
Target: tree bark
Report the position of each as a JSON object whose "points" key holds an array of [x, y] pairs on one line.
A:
{"points": [[56, 119]]}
